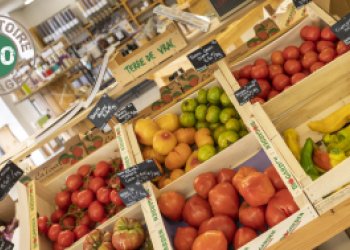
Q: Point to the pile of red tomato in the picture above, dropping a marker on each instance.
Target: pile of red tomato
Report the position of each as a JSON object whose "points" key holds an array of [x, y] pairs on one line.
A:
{"points": [[292, 64], [249, 198], [89, 198]]}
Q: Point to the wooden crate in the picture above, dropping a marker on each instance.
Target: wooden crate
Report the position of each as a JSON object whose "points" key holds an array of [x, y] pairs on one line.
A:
{"points": [[237, 155], [143, 59]]}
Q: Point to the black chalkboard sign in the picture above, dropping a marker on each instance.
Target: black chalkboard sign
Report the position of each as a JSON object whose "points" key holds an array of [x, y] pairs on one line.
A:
{"points": [[9, 175], [103, 111], [207, 55], [248, 92], [224, 8], [342, 29], [300, 3], [5, 244], [126, 113], [132, 194], [143, 172]]}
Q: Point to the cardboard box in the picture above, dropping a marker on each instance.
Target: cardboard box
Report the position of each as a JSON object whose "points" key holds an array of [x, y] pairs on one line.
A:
{"points": [[95, 139]]}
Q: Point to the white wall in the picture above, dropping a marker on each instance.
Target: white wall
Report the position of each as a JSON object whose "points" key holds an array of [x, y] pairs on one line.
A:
{"points": [[39, 11]]}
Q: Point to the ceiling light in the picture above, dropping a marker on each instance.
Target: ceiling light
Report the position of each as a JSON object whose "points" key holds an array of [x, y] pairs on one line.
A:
{"points": [[26, 2]]}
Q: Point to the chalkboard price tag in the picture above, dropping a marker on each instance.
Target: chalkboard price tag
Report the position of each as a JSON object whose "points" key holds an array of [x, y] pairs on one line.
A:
{"points": [[132, 194], [9, 175], [248, 92], [300, 3], [206, 56], [5, 244], [342, 29], [126, 113], [103, 111], [143, 172]]}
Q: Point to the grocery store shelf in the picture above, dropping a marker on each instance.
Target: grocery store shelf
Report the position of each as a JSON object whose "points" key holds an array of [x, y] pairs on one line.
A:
{"points": [[148, 8]]}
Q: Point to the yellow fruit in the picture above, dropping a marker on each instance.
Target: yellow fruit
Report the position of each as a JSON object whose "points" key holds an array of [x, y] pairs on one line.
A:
{"points": [[168, 122], [161, 181], [176, 173], [192, 161], [203, 137], [178, 157], [164, 142], [167, 181], [185, 135], [150, 153], [145, 130]]}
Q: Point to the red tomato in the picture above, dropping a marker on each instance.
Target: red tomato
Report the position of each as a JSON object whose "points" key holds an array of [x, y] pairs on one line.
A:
{"points": [[308, 59], [342, 48], [253, 217], [245, 72], [321, 45], [243, 236], [277, 58], [256, 189], [292, 67], [102, 169], [260, 71], [115, 183], [103, 195], [74, 182], [310, 33], [66, 238], [171, 205], [53, 232], [84, 220], [280, 207], [84, 170], [74, 197], [291, 52], [115, 198], [56, 216], [297, 78], [96, 211], [223, 199], [328, 35], [210, 240], [196, 210], [265, 88], [221, 223], [260, 61], [275, 70], [225, 175], [63, 200], [274, 177], [236, 74], [243, 81], [85, 197], [272, 94], [306, 47], [316, 66], [68, 222], [242, 173], [80, 231], [280, 82], [204, 183], [96, 183], [257, 99], [184, 238], [327, 55], [57, 246], [43, 224]]}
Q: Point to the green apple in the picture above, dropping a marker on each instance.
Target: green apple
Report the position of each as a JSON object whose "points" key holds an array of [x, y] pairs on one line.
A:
{"points": [[206, 152], [202, 96], [201, 112], [189, 105], [226, 114], [225, 100], [243, 133], [218, 131], [187, 119], [214, 94], [200, 125], [213, 114], [213, 126], [241, 123], [227, 138], [233, 124]]}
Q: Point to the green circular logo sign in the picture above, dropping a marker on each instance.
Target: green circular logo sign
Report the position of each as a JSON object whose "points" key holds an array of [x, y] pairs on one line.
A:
{"points": [[8, 55]]}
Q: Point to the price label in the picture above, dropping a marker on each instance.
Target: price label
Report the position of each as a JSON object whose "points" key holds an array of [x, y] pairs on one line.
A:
{"points": [[133, 193], [342, 29], [300, 3], [126, 113], [249, 91], [103, 111], [9, 175], [5, 244], [202, 58], [143, 172]]}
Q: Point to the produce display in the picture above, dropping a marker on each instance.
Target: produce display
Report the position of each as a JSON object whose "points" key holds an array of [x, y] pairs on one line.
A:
{"points": [[127, 234], [317, 158], [207, 124], [89, 197], [292, 64], [229, 209]]}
